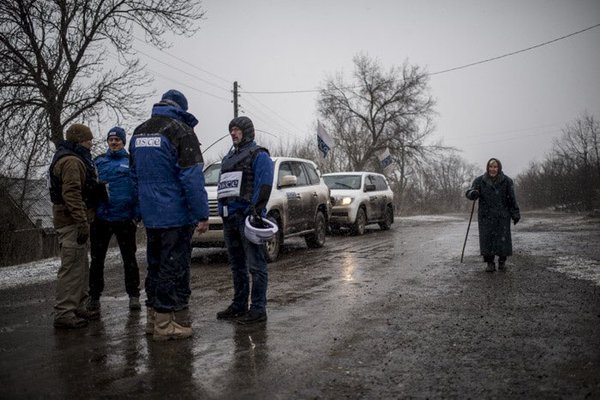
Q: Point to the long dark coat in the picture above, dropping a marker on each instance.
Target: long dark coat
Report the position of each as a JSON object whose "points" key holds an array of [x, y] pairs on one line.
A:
{"points": [[497, 206]]}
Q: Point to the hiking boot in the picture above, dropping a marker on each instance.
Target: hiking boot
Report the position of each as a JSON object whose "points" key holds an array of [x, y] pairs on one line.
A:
{"points": [[491, 267], [87, 314], [501, 266], [183, 317], [134, 303], [230, 313], [93, 304], [70, 322], [150, 318], [165, 328], [252, 317]]}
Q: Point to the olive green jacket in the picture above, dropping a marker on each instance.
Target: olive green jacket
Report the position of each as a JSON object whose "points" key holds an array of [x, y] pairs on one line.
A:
{"points": [[71, 172]]}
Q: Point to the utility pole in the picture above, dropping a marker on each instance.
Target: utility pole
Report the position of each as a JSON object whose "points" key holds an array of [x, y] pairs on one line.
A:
{"points": [[235, 99]]}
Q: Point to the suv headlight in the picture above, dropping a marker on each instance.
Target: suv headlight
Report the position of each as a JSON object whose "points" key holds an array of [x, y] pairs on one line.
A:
{"points": [[344, 201]]}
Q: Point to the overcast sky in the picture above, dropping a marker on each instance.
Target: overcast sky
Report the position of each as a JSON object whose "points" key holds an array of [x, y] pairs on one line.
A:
{"points": [[511, 108]]}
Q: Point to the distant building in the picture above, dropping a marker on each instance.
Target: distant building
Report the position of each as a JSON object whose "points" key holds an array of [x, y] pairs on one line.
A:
{"points": [[26, 227]]}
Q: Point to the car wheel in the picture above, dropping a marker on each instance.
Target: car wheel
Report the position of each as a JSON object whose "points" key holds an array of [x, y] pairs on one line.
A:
{"points": [[388, 219], [317, 239], [360, 223], [273, 246]]}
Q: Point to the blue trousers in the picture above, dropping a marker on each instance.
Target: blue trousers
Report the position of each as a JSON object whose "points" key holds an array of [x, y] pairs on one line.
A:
{"points": [[245, 257], [169, 254]]}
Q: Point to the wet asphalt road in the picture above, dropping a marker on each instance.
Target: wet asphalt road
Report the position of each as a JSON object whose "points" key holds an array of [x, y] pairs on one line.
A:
{"points": [[387, 315]]}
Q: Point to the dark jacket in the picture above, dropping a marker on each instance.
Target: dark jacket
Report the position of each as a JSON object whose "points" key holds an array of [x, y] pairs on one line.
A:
{"points": [[73, 185], [497, 206], [166, 167], [113, 168], [257, 178]]}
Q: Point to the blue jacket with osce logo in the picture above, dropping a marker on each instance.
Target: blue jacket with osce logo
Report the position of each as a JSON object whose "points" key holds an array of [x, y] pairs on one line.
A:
{"points": [[166, 166]]}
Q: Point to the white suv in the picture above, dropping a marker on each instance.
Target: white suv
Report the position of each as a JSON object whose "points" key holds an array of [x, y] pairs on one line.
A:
{"points": [[359, 199], [299, 204]]}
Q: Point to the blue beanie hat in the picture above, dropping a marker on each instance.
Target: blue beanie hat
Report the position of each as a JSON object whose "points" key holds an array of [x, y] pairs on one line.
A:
{"points": [[176, 98], [117, 131]]}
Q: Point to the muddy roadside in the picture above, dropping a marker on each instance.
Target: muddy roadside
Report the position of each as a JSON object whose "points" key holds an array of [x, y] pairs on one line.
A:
{"points": [[389, 314]]}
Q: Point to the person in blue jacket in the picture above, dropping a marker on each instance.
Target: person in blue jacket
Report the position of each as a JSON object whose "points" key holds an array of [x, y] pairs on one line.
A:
{"points": [[166, 165], [244, 188], [115, 216]]}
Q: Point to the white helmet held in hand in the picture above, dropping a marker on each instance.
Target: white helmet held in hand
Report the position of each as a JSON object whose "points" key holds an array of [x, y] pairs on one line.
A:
{"points": [[259, 230]]}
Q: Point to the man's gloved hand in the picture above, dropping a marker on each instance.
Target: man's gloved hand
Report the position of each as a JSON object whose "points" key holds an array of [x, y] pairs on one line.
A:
{"points": [[83, 232], [516, 220], [474, 194]]}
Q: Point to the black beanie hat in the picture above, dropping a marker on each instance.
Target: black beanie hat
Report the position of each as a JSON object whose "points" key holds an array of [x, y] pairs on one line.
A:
{"points": [[176, 98], [78, 133], [118, 132], [246, 126]]}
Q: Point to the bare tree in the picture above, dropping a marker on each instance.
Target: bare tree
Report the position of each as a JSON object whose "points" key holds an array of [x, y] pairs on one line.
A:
{"points": [[570, 174], [376, 110], [438, 185], [66, 61]]}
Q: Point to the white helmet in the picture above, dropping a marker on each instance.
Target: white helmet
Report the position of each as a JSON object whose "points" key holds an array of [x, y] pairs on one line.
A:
{"points": [[259, 230]]}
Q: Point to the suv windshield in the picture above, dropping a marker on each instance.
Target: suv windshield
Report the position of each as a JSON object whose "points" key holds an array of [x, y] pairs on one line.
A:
{"points": [[342, 181], [211, 174]]}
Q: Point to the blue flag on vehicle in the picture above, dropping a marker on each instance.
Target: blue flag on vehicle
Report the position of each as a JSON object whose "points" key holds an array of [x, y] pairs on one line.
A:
{"points": [[385, 160], [324, 141]]}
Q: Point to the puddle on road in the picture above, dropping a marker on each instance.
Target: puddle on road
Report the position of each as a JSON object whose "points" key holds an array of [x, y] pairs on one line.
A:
{"points": [[579, 268]]}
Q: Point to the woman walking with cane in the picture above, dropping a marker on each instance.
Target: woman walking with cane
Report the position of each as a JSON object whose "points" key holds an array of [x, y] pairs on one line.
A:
{"points": [[497, 206]]}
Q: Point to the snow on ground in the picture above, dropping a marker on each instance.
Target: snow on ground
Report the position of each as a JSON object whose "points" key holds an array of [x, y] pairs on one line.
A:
{"points": [[30, 273], [579, 268], [39, 271], [431, 218]]}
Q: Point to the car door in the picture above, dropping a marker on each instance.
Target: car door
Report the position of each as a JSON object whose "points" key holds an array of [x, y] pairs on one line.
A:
{"points": [[293, 210], [374, 211], [313, 199], [382, 194], [304, 194]]}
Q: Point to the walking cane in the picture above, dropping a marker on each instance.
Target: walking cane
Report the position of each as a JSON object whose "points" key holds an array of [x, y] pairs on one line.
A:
{"points": [[467, 235]]}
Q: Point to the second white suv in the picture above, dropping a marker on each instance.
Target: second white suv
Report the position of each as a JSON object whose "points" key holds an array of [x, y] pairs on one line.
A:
{"points": [[360, 199], [299, 204]]}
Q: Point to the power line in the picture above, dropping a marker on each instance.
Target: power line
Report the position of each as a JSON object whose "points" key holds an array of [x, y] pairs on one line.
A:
{"points": [[454, 68], [183, 71], [270, 109], [188, 63], [190, 87], [515, 52], [284, 91]]}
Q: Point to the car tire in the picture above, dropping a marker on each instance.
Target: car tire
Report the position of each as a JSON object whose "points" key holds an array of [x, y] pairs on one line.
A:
{"points": [[273, 246], [317, 239], [388, 219], [361, 221]]}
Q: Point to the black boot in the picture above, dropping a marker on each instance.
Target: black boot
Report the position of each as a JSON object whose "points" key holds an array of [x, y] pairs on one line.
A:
{"points": [[230, 313]]}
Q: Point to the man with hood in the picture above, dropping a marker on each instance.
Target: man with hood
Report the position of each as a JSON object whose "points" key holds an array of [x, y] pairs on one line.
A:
{"points": [[166, 166], [497, 206], [248, 168], [116, 216], [74, 191]]}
